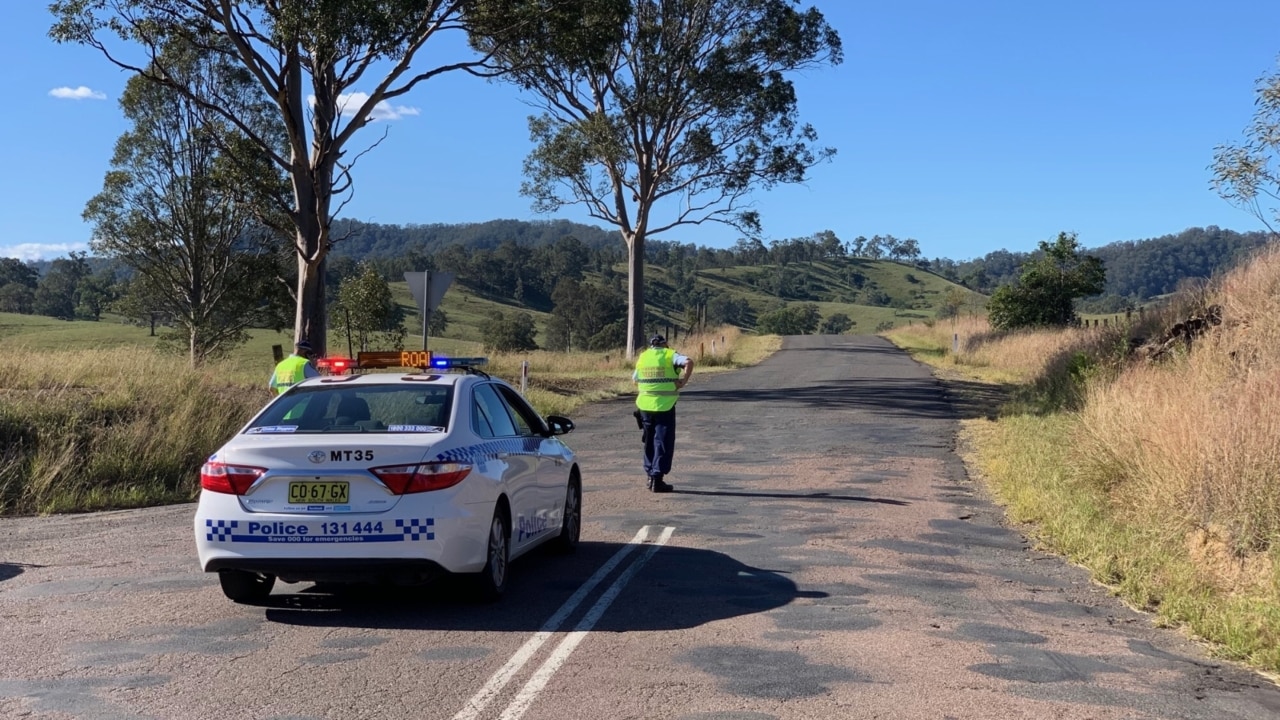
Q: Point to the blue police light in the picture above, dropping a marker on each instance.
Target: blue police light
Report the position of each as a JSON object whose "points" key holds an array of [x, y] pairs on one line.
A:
{"points": [[447, 363]]}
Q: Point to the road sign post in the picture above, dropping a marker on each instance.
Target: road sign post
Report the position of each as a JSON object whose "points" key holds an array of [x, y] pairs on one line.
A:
{"points": [[428, 290]]}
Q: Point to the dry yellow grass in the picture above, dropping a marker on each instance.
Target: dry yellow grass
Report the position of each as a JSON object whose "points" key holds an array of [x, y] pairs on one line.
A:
{"points": [[1196, 439], [1161, 477], [114, 427], [1049, 363], [559, 383], [127, 426]]}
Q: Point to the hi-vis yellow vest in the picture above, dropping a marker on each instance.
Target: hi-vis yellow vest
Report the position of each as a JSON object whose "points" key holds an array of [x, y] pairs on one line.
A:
{"points": [[289, 373], [656, 375]]}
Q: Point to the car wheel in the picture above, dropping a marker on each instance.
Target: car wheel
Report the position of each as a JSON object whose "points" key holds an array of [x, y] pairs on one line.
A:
{"points": [[491, 582], [571, 524], [246, 587]]}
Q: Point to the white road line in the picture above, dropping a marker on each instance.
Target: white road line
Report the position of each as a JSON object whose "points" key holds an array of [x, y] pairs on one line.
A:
{"points": [[530, 691], [494, 686]]}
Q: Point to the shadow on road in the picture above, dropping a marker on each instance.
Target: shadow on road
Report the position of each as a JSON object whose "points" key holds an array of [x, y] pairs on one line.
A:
{"points": [[9, 571], [972, 399], [911, 397], [678, 588], [792, 496], [902, 396]]}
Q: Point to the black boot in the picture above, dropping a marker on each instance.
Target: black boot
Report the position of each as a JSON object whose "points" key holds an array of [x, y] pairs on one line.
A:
{"points": [[656, 484]]}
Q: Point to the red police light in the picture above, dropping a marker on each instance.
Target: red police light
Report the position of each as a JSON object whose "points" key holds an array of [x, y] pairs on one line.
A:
{"points": [[335, 365]]}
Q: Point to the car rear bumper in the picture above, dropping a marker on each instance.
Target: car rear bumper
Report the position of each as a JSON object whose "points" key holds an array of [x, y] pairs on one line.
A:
{"points": [[300, 546], [344, 570]]}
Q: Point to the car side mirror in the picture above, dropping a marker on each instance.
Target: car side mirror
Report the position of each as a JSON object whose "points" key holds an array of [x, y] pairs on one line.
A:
{"points": [[559, 425]]}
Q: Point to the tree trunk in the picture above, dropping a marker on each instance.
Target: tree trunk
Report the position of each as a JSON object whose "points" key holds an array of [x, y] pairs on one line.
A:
{"points": [[312, 202], [310, 322], [635, 295]]}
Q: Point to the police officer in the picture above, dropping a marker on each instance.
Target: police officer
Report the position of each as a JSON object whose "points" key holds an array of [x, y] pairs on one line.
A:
{"points": [[659, 375], [294, 369]]}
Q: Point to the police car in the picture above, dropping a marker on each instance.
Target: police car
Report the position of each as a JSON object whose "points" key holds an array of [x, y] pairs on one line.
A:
{"points": [[395, 477]]}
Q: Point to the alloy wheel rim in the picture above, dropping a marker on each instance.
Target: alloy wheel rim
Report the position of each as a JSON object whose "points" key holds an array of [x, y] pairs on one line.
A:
{"points": [[497, 552]]}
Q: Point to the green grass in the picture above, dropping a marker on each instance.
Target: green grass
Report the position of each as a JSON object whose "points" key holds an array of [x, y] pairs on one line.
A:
{"points": [[44, 333]]}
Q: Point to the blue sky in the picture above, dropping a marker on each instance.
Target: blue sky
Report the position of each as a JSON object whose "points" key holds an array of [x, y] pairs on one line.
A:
{"points": [[970, 126]]}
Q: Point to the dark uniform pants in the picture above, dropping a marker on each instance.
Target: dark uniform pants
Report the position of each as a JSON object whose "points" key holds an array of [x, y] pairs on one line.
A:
{"points": [[659, 441]]}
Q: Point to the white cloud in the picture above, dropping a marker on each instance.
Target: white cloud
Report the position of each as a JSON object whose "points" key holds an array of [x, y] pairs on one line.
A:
{"points": [[40, 251], [77, 93], [350, 103]]}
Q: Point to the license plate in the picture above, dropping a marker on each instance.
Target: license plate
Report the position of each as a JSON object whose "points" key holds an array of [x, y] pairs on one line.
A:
{"points": [[312, 491]]}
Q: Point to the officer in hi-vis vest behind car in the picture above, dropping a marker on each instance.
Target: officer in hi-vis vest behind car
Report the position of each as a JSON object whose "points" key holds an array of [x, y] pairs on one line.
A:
{"points": [[294, 369], [660, 373]]}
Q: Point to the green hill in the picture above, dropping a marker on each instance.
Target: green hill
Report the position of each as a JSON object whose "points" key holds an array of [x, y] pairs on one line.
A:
{"points": [[873, 293]]}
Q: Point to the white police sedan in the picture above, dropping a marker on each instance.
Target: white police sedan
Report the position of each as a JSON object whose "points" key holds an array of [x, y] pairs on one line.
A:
{"points": [[387, 477]]}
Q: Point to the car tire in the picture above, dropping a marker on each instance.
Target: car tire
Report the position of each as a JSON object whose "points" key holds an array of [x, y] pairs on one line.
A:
{"points": [[243, 586], [571, 522], [491, 582]]}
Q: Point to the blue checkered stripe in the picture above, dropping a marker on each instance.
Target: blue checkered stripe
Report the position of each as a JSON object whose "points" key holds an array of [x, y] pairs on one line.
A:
{"points": [[220, 530], [415, 529], [476, 453]]}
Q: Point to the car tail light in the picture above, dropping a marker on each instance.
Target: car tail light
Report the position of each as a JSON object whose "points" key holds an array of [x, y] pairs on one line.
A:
{"points": [[423, 477], [230, 479]]}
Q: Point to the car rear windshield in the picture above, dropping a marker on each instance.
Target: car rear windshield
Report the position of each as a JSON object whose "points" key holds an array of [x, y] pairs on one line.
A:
{"points": [[400, 408]]}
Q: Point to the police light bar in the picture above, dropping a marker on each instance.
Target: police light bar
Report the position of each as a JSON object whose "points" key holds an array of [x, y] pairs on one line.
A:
{"points": [[335, 365], [419, 359], [445, 363]]}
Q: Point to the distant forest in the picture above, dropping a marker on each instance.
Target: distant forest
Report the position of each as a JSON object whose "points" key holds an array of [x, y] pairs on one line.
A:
{"points": [[522, 262], [1137, 270]]}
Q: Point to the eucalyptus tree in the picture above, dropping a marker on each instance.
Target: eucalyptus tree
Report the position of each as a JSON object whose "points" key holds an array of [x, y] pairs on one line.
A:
{"points": [[310, 59], [662, 113], [58, 292], [368, 313], [172, 208], [18, 283], [1248, 174]]}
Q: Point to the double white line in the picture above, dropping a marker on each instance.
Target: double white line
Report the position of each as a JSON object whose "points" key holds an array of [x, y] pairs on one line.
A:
{"points": [[523, 699]]}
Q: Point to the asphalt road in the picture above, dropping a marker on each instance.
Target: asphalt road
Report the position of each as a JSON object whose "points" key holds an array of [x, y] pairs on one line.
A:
{"points": [[824, 556]]}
